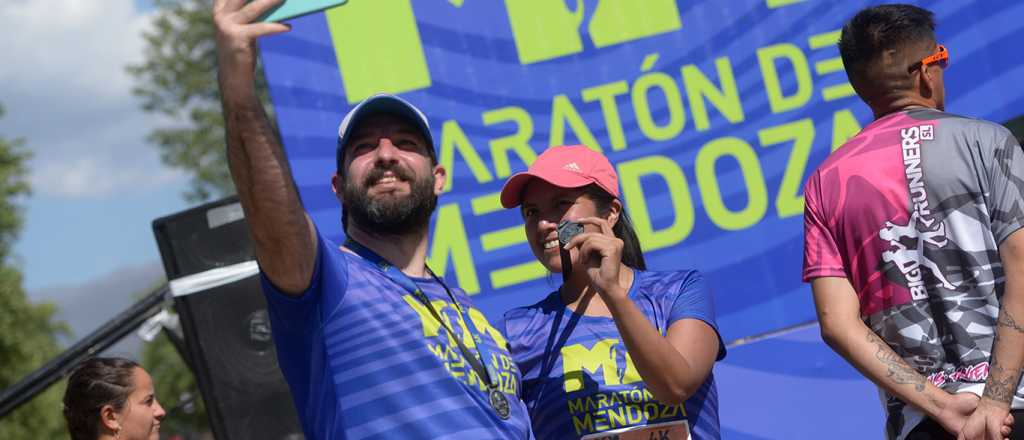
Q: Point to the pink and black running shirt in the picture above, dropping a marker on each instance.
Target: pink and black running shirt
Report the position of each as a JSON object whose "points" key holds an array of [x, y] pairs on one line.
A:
{"points": [[912, 211]]}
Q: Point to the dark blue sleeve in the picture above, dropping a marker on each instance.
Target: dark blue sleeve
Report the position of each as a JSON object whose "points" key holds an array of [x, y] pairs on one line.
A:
{"points": [[296, 323], [693, 300], [296, 315]]}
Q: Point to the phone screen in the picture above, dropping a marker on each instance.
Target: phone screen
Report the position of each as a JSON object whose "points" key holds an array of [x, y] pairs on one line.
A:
{"points": [[294, 8]]}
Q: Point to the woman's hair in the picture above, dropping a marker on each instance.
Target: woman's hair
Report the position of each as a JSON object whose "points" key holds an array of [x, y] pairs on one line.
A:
{"points": [[93, 384], [632, 255]]}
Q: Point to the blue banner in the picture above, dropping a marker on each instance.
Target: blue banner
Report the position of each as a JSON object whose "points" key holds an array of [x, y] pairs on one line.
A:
{"points": [[713, 112]]}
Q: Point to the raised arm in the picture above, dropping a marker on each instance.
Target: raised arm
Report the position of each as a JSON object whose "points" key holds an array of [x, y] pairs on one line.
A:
{"points": [[1007, 359], [284, 237], [844, 331], [673, 366]]}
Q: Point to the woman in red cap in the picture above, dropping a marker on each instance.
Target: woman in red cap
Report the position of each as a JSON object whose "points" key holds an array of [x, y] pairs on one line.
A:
{"points": [[616, 349]]}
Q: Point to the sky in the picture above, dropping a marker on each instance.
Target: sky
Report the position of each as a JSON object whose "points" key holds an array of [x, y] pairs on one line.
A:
{"points": [[97, 183]]}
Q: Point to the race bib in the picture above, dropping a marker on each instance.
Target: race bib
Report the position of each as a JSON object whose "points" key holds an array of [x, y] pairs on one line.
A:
{"points": [[675, 430]]}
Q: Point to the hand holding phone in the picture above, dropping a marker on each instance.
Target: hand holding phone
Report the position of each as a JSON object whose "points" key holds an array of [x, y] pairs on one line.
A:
{"points": [[293, 8]]}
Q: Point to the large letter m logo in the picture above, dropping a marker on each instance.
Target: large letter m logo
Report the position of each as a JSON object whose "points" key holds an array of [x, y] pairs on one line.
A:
{"points": [[378, 46], [547, 29]]}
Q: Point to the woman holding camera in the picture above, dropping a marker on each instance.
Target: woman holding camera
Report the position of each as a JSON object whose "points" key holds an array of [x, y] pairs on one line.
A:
{"points": [[615, 350]]}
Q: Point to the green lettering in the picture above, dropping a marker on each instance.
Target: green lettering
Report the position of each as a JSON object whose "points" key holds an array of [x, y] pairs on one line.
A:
{"points": [[481, 323], [562, 113], [642, 108], [616, 417], [586, 424], [777, 100], [576, 406], [617, 22], [631, 375], [789, 201], [450, 240], [711, 195], [606, 94], [519, 141], [454, 139], [544, 29], [577, 358], [630, 173], [430, 324], [726, 99], [363, 70]]}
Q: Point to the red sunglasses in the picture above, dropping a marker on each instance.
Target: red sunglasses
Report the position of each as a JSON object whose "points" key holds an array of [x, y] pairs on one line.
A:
{"points": [[940, 57]]}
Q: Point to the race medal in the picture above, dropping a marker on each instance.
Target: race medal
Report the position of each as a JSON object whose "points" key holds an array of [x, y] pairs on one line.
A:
{"points": [[567, 230], [500, 403]]}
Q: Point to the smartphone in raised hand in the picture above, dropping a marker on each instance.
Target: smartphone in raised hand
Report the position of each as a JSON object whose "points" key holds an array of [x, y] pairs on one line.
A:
{"points": [[294, 8]]}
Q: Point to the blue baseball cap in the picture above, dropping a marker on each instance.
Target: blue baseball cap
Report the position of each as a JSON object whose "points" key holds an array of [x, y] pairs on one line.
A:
{"points": [[382, 103]]}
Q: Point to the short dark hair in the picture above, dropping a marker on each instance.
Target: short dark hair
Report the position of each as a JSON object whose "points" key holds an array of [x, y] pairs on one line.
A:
{"points": [[632, 254], [93, 384], [876, 30]]}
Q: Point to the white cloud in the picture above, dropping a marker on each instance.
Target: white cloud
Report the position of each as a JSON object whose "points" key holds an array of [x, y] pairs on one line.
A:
{"points": [[71, 44], [66, 91], [93, 178]]}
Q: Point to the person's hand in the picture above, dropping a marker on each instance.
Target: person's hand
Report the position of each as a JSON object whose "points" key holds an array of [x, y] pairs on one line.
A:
{"points": [[601, 252], [956, 408], [236, 32], [989, 421]]}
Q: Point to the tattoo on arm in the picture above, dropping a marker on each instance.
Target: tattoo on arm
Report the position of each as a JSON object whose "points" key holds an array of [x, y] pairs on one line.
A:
{"points": [[1001, 384], [899, 371], [1006, 320]]}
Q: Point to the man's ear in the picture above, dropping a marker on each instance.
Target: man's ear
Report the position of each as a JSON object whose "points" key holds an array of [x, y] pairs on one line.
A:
{"points": [[440, 179], [928, 81], [336, 186]]}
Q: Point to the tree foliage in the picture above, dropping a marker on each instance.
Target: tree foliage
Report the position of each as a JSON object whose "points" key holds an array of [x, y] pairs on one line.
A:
{"points": [[13, 187], [178, 80], [176, 389], [28, 332]]}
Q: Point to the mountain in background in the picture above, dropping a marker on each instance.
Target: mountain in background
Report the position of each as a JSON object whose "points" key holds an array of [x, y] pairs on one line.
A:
{"points": [[86, 306]]}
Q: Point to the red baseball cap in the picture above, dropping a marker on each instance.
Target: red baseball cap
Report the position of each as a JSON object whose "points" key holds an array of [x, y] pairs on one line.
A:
{"points": [[571, 166]]}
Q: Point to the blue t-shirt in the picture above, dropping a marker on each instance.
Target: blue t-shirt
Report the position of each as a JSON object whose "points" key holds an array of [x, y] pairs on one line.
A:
{"points": [[364, 359], [578, 378]]}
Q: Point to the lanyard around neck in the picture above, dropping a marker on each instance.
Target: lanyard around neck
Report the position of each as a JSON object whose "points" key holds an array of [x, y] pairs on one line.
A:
{"points": [[409, 285]]}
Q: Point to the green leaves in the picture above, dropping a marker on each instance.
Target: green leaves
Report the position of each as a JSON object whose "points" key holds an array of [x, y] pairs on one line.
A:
{"points": [[178, 80], [174, 384], [28, 332]]}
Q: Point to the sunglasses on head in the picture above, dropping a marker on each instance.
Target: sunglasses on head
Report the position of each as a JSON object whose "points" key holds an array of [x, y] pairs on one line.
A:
{"points": [[940, 57]]}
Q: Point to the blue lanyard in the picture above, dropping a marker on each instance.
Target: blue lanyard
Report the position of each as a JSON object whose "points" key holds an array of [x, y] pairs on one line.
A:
{"points": [[400, 278]]}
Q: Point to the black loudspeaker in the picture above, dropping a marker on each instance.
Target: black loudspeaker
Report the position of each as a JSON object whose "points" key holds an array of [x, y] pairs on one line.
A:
{"points": [[225, 323]]}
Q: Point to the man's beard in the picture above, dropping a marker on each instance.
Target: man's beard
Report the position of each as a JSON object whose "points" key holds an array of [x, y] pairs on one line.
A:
{"points": [[389, 214]]}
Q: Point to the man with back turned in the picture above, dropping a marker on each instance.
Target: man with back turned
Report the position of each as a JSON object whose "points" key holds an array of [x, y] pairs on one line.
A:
{"points": [[911, 241]]}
